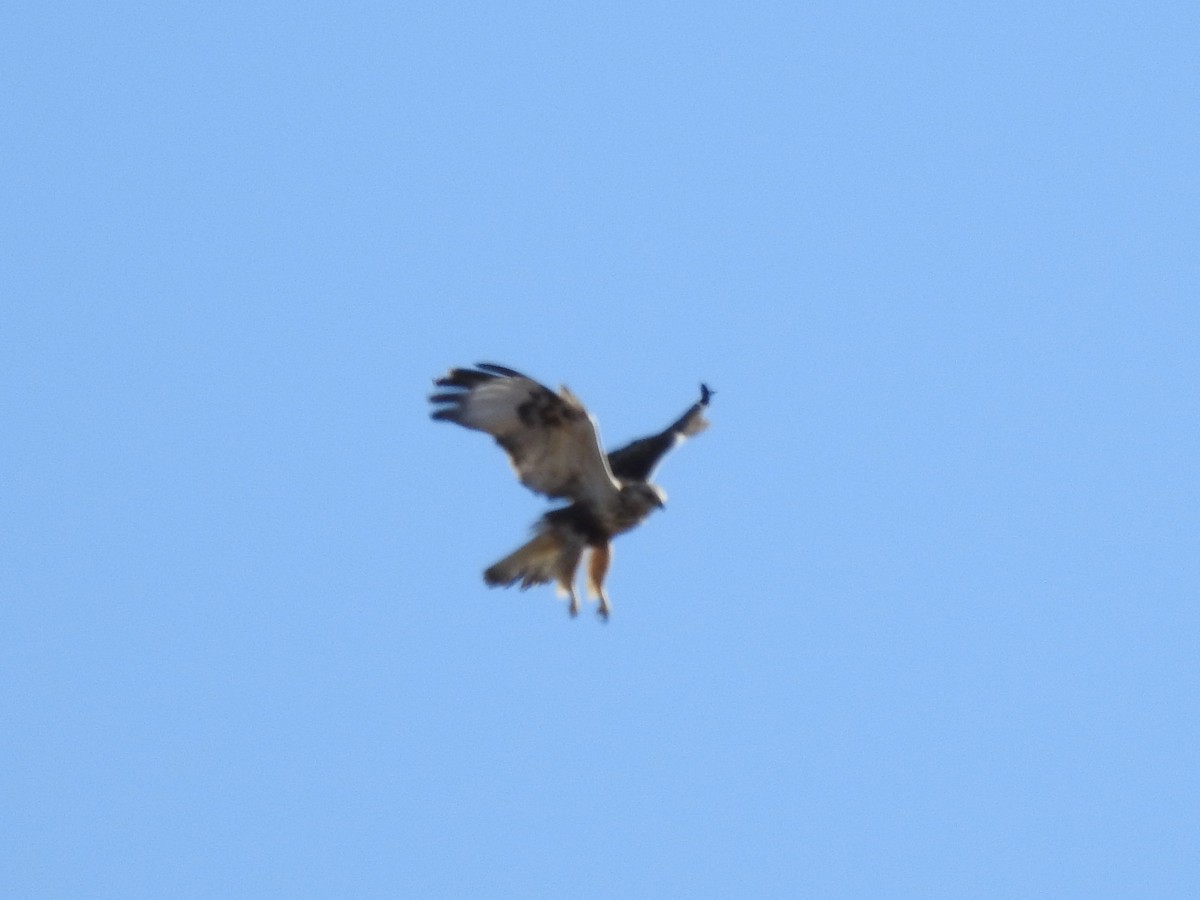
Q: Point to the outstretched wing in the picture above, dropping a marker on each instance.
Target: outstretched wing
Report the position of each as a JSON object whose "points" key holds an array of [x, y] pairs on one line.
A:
{"points": [[635, 461], [550, 439]]}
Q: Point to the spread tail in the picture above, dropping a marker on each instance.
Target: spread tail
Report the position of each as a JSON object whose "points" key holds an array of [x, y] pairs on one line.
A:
{"points": [[550, 556]]}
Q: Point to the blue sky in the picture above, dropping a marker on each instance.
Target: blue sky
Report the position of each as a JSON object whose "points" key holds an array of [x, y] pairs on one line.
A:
{"points": [[920, 619]]}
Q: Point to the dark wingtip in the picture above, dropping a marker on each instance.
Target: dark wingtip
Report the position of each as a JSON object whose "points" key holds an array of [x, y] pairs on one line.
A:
{"points": [[499, 370], [705, 393], [463, 379]]}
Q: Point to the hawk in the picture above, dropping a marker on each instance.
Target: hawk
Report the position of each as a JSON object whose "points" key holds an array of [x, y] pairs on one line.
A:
{"points": [[554, 447]]}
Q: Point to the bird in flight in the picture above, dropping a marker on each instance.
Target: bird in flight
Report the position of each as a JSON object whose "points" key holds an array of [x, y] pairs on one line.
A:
{"points": [[554, 448]]}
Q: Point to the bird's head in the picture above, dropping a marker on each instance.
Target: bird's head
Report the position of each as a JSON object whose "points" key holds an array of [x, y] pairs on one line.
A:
{"points": [[643, 496]]}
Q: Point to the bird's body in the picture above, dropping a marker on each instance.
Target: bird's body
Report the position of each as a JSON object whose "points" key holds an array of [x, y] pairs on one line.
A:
{"points": [[554, 447]]}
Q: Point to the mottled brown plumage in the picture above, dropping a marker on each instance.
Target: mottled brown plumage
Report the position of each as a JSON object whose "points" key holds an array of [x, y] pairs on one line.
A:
{"points": [[554, 448]]}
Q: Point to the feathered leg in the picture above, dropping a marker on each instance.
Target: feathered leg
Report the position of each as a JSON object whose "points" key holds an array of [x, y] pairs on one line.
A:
{"points": [[568, 588], [598, 562], [568, 562]]}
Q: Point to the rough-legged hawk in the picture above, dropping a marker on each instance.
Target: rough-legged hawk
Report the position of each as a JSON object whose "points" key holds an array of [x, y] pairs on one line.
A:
{"points": [[552, 443]]}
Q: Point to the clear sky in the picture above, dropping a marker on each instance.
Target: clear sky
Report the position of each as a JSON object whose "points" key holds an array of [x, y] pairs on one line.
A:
{"points": [[920, 619]]}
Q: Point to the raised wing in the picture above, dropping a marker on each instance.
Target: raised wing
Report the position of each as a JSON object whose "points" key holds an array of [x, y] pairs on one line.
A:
{"points": [[550, 439], [637, 460]]}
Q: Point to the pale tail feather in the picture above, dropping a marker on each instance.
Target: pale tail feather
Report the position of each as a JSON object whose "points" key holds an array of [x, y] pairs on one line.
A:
{"points": [[546, 558]]}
